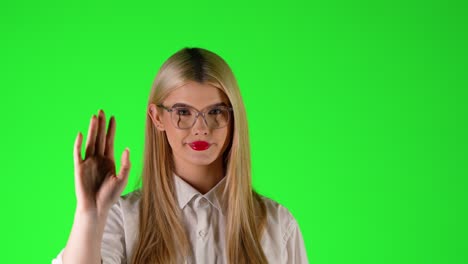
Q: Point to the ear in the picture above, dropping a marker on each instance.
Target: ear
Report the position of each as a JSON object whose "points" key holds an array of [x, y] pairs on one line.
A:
{"points": [[156, 117]]}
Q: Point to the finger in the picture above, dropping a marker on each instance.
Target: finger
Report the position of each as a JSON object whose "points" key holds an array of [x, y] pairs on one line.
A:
{"points": [[124, 165], [109, 152], [101, 136], [77, 150], [91, 139]]}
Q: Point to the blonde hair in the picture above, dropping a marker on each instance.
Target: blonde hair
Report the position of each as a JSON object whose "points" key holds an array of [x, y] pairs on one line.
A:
{"points": [[162, 237]]}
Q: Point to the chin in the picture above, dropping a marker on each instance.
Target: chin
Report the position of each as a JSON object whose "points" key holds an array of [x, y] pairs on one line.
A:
{"points": [[202, 161], [198, 158]]}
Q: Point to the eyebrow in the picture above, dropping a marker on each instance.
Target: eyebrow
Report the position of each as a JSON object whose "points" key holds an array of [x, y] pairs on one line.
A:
{"points": [[182, 105]]}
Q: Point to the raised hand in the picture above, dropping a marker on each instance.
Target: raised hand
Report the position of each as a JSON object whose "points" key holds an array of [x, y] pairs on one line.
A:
{"points": [[97, 186]]}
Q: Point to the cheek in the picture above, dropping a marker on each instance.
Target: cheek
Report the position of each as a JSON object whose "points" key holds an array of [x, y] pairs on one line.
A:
{"points": [[175, 137], [223, 137]]}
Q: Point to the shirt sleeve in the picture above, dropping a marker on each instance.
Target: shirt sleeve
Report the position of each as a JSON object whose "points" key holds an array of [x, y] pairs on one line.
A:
{"points": [[113, 240], [295, 252]]}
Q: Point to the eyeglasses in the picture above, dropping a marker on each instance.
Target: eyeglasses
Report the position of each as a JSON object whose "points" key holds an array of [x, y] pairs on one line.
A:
{"points": [[184, 116]]}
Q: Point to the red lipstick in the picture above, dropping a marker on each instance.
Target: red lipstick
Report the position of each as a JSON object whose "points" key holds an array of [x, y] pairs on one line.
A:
{"points": [[199, 145]]}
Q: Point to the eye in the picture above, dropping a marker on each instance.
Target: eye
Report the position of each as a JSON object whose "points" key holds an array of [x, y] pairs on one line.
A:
{"points": [[182, 111], [215, 111]]}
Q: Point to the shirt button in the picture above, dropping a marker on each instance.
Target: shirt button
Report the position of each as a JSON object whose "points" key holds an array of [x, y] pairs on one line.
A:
{"points": [[202, 233], [202, 202]]}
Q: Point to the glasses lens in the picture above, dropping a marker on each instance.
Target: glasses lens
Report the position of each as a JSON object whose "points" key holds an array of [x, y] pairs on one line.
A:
{"points": [[184, 117], [217, 117]]}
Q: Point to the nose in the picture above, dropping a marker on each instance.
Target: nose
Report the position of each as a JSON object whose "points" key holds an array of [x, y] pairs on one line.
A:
{"points": [[200, 126]]}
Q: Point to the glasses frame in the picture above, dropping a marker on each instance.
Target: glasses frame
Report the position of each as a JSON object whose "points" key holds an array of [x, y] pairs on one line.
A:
{"points": [[198, 113]]}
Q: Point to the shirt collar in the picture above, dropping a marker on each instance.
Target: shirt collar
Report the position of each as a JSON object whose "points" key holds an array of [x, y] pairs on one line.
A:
{"points": [[185, 192]]}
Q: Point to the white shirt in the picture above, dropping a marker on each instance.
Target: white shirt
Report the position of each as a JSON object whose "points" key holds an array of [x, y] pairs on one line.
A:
{"points": [[204, 221]]}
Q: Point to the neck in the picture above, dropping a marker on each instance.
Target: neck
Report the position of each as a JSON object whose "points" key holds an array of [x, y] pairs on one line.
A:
{"points": [[201, 177]]}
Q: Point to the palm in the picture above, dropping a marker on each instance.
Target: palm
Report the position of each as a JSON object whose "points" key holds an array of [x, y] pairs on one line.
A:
{"points": [[94, 171]]}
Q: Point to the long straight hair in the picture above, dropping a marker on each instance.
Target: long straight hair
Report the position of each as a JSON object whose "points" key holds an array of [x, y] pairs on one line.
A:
{"points": [[162, 237]]}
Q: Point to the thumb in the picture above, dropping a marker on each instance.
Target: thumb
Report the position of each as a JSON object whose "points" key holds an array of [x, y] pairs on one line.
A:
{"points": [[124, 165]]}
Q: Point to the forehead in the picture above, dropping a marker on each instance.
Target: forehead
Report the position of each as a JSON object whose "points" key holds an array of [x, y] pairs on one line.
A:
{"points": [[197, 95]]}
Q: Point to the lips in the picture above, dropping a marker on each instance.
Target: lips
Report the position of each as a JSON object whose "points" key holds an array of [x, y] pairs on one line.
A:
{"points": [[199, 145]]}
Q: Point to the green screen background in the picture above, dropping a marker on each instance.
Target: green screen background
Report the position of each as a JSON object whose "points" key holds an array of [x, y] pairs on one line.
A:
{"points": [[356, 109]]}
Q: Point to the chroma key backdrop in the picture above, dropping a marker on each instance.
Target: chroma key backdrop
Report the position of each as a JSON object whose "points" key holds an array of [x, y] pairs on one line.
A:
{"points": [[357, 113]]}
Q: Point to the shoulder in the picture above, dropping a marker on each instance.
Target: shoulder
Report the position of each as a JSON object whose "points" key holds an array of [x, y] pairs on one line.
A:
{"points": [[131, 197], [126, 204], [280, 220], [129, 202], [277, 210]]}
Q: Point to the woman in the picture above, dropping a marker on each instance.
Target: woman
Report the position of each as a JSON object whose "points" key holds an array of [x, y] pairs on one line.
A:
{"points": [[196, 204]]}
